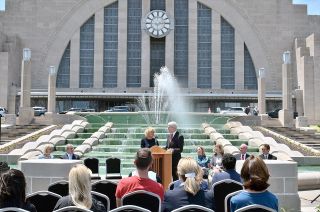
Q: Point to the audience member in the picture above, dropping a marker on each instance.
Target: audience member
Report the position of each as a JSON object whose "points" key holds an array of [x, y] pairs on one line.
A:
{"points": [[255, 176], [46, 152], [4, 167], [80, 191], [69, 153], [141, 180], [13, 190], [175, 143], [243, 152], [265, 148], [216, 160], [228, 172], [203, 161], [151, 174], [149, 140], [188, 192]]}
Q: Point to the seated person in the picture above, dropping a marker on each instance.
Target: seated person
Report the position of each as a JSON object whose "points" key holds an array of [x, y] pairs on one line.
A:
{"points": [[203, 161], [141, 180], [69, 153], [228, 170], [46, 153], [188, 192], [243, 155], [151, 174], [80, 191], [149, 140], [216, 160], [265, 148], [13, 190], [255, 176]]}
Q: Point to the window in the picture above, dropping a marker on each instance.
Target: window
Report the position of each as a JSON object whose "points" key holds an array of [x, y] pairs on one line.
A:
{"points": [[63, 75], [250, 77], [157, 56]]}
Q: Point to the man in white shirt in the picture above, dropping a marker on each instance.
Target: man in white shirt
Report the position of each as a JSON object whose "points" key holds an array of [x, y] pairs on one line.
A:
{"points": [[265, 148], [69, 153], [243, 152]]}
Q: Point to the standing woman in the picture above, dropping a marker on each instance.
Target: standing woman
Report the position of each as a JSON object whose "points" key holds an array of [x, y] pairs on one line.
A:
{"points": [[216, 160], [149, 140], [13, 190]]}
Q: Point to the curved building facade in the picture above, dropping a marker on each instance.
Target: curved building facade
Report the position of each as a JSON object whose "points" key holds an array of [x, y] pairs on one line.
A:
{"points": [[106, 52]]}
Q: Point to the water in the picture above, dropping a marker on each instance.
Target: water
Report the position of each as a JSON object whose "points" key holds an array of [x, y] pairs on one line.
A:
{"points": [[166, 103]]}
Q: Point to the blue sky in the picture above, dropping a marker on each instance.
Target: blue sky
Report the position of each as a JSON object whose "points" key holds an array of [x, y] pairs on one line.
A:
{"points": [[313, 5]]}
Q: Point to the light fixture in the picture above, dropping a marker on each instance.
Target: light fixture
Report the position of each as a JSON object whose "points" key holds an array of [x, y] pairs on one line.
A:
{"points": [[286, 57], [26, 54], [52, 70], [261, 72]]}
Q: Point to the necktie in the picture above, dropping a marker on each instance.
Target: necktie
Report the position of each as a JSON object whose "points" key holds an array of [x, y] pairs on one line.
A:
{"points": [[243, 157], [171, 136], [265, 156]]}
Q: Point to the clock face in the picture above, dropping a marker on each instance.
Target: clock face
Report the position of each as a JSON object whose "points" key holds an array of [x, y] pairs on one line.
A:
{"points": [[157, 23]]}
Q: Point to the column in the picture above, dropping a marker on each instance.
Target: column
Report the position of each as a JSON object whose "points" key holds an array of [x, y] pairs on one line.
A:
{"points": [[192, 63], [98, 49], [169, 49], [286, 82], [52, 90], [299, 101], [145, 50], [216, 50], [239, 61], [122, 44], [25, 78], [307, 67], [261, 91], [75, 59]]}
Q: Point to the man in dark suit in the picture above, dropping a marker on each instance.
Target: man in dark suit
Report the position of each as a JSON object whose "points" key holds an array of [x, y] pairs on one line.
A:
{"points": [[174, 144], [69, 153], [243, 152], [265, 148], [228, 172]]}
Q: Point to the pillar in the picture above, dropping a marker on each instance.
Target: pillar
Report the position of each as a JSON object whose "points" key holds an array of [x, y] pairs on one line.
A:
{"points": [[192, 59], [169, 48], [52, 90], [261, 91], [98, 49], [145, 50]]}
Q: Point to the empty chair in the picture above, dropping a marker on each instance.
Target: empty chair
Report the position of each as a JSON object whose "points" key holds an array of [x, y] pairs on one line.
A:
{"points": [[43, 200], [72, 209], [107, 188], [143, 199], [13, 209], [227, 200], [130, 208], [60, 187], [255, 208], [102, 198], [113, 168], [93, 165], [192, 208], [223, 188]]}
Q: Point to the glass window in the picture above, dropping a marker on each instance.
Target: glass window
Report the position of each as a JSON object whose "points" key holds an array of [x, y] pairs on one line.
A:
{"points": [[157, 5], [157, 56], [63, 75], [250, 77]]}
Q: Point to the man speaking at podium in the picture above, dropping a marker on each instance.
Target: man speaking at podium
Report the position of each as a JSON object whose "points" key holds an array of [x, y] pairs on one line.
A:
{"points": [[174, 144]]}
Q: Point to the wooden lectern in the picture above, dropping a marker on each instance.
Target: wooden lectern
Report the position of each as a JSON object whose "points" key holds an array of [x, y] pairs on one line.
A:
{"points": [[162, 163]]}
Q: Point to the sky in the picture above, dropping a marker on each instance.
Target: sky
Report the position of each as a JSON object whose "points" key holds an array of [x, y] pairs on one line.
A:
{"points": [[313, 5]]}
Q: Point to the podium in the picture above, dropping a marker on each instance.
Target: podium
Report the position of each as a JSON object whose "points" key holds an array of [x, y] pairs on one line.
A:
{"points": [[162, 163]]}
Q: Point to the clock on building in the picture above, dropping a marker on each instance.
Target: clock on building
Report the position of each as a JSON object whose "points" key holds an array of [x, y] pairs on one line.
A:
{"points": [[157, 24]]}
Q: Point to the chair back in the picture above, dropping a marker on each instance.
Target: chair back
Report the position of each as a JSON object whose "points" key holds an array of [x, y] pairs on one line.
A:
{"points": [[60, 187], [13, 209], [144, 199], [227, 200], [113, 168], [221, 189], [102, 198], [72, 209], [129, 208], [107, 188], [192, 208], [93, 165], [171, 185], [43, 200], [255, 208]]}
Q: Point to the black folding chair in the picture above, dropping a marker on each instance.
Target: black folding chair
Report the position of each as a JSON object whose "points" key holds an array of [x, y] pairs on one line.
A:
{"points": [[144, 199], [227, 200], [102, 198], [113, 168], [60, 187], [107, 188], [44, 201], [130, 208], [255, 208], [72, 209], [221, 189], [192, 208], [93, 165], [13, 209]]}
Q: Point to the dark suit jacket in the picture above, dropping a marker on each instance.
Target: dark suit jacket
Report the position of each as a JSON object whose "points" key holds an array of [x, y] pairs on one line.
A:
{"points": [[270, 157], [177, 144], [178, 197], [228, 174], [74, 156], [239, 155]]}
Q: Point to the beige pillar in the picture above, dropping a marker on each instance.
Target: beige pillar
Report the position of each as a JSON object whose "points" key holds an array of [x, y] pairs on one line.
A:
{"points": [[261, 92], [169, 48], [4, 66], [307, 66], [216, 53], [75, 59], [122, 44], [145, 49], [98, 49], [52, 90], [299, 101], [25, 83], [286, 87], [239, 61], [192, 63]]}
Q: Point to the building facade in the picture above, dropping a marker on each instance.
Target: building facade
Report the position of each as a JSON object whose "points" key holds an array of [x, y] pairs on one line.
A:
{"points": [[106, 51]]}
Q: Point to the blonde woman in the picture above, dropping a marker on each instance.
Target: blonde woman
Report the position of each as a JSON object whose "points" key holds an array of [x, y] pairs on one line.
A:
{"points": [[46, 153], [188, 192], [80, 191], [149, 139], [216, 160]]}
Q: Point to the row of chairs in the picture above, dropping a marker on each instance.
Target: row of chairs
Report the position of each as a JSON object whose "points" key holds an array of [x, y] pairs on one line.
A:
{"points": [[113, 168]]}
